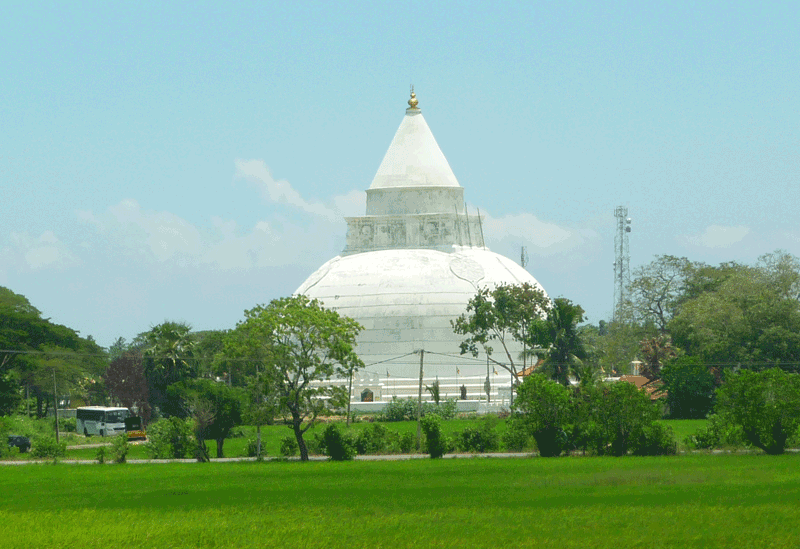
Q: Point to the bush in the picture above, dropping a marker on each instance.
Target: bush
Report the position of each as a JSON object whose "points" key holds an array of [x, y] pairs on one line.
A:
{"points": [[337, 445], [289, 446], [717, 434], [48, 448], [516, 437], [690, 388], [480, 439], [405, 409], [656, 440], [436, 443], [620, 414], [377, 439], [119, 448], [545, 408], [100, 456], [766, 405], [171, 438], [445, 410], [65, 424], [251, 450], [407, 443]]}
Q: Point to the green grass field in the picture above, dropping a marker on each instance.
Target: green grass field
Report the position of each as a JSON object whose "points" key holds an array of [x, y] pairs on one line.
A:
{"points": [[680, 501]]}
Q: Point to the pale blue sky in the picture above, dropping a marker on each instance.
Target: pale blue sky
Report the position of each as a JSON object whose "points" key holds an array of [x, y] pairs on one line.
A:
{"points": [[188, 161]]}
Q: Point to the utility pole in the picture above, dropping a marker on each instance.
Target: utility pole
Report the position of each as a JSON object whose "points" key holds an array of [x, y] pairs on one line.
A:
{"points": [[55, 402], [419, 401]]}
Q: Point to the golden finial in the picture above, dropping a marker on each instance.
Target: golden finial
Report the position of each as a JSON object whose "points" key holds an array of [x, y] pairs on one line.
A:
{"points": [[412, 103]]}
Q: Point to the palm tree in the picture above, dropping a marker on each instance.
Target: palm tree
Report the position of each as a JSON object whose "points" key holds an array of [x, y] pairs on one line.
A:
{"points": [[566, 348]]}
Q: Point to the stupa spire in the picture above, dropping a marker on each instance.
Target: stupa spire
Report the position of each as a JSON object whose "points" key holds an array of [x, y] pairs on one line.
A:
{"points": [[413, 102]]}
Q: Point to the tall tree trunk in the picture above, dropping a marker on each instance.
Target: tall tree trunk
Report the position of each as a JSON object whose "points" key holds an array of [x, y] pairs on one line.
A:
{"points": [[298, 434], [220, 442]]}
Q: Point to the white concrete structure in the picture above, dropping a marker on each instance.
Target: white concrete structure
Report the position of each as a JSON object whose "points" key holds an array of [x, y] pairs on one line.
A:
{"points": [[411, 264]]}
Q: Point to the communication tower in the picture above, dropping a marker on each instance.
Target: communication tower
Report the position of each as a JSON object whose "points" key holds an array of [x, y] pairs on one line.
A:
{"points": [[622, 260], [523, 257]]}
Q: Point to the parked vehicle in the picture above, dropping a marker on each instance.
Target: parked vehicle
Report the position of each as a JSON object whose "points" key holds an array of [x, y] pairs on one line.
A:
{"points": [[133, 426], [19, 441], [101, 420]]}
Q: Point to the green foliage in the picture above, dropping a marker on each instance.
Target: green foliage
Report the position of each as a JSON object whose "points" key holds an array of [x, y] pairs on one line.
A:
{"points": [[544, 406], [120, 448], [405, 409], [516, 437], [377, 439], [337, 445], [168, 351], [436, 443], [716, 434], [566, 349], [10, 394], [296, 341], [66, 424], [171, 438], [620, 418], [689, 386], [100, 455], [656, 439], [215, 407], [655, 352], [766, 405], [46, 447], [481, 439], [289, 446], [501, 315]]}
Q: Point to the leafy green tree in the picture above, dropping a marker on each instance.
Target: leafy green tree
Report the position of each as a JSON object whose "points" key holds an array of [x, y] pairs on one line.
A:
{"points": [[689, 386], [657, 289], [545, 407], [621, 416], [297, 344], [566, 347], [765, 404], [168, 350], [215, 407], [497, 317], [736, 314]]}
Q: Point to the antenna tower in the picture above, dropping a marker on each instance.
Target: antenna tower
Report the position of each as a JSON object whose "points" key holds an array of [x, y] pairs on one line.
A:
{"points": [[622, 261], [523, 256]]}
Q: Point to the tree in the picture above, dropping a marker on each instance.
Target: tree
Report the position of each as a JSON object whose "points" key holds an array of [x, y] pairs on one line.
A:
{"points": [[126, 382], [656, 351], [215, 407], [657, 289], [545, 408], [765, 404], [501, 315], [299, 345], [689, 386], [566, 348], [736, 314], [168, 349]]}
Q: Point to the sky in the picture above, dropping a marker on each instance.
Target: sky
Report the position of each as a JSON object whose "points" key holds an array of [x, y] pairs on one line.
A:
{"points": [[188, 161]]}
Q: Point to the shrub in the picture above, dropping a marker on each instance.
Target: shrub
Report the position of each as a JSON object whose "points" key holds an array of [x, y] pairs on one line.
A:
{"points": [[690, 388], [717, 434], [171, 438], [337, 445], [377, 439], [407, 443], [251, 450], [289, 446], [480, 439], [656, 440], [445, 410], [436, 443], [766, 405], [620, 414], [101, 454], [516, 437], [404, 409], [47, 447], [119, 448], [545, 407]]}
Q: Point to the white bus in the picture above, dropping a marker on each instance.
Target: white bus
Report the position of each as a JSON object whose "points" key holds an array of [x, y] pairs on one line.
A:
{"points": [[100, 420]]}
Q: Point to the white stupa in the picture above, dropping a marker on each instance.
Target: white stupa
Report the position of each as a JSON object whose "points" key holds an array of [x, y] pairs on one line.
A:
{"points": [[411, 264]]}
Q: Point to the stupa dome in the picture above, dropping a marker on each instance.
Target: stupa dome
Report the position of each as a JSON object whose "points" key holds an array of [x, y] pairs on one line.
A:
{"points": [[411, 264]]}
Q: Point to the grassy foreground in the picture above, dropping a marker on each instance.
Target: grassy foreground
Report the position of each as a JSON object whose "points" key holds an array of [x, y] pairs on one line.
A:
{"points": [[681, 501]]}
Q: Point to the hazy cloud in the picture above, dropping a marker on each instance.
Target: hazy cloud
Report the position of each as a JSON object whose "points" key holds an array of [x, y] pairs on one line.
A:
{"points": [[541, 237], [718, 236], [36, 253]]}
